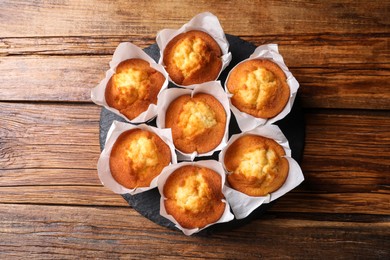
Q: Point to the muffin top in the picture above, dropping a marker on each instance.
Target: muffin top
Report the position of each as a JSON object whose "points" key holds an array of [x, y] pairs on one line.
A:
{"points": [[194, 196], [134, 86], [256, 165], [192, 57], [137, 157], [198, 123], [195, 118], [259, 88]]}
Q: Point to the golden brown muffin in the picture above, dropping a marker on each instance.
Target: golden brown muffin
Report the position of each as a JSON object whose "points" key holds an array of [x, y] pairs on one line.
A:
{"points": [[137, 157], [134, 86], [197, 123], [192, 57], [259, 88], [194, 196], [256, 165]]}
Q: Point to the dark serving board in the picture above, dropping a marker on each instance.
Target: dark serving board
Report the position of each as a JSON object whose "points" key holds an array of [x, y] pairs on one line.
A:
{"points": [[293, 127]]}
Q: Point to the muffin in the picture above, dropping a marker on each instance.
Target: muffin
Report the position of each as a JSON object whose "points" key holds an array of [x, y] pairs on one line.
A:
{"points": [[134, 86], [137, 157], [197, 123], [194, 196], [256, 165], [192, 57], [259, 88]]}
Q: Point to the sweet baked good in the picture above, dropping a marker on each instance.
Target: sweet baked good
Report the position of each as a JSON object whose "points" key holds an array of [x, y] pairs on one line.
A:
{"points": [[259, 88], [192, 57], [134, 86], [137, 157], [256, 165], [197, 123], [194, 196]]}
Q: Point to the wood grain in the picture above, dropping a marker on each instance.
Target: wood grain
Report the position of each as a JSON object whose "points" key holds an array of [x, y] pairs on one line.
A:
{"points": [[49, 136], [63, 78], [317, 50], [52, 204], [47, 193], [69, 232], [362, 137], [375, 203], [34, 159], [71, 79], [340, 59], [78, 18]]}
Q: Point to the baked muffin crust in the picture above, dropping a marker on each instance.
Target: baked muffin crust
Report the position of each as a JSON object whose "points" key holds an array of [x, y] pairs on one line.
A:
{"points": [[134, 86], [197, 123], [192, 57], [194, 196], [259, 88], [256, 165], [137, 157]]}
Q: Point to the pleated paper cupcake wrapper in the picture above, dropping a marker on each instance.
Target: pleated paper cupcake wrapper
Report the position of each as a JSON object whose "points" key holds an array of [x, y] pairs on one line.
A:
{"points": [[206, 22], [103, 167], [242, 205], [247, 122], [125, 51], [210, 164], [213, 88]]}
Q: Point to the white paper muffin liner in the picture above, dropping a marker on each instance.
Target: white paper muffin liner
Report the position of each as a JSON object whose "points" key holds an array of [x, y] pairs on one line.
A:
{"points": [[206, 22], [103, 166], [210, 164], [242, 205], [248, 122], [125, 51], [213, 88]]}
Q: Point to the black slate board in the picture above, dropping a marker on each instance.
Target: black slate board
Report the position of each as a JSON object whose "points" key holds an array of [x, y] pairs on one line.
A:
{"points": [[293, 127]]}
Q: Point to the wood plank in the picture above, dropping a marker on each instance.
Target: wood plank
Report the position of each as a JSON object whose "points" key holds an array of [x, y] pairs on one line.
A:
{"points": [[84, 17], [46, 193], [71, 232], [71, 78], [300, 200], [71, 45], [368, 51], [340, 203], [343, 88], [16, 177], [64, 78]]}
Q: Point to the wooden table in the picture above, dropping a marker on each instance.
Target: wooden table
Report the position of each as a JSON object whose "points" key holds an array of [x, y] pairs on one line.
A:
{"points": [[52, 204]]}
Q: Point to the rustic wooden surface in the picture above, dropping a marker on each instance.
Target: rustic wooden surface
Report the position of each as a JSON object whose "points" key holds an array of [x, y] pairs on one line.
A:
{"points": [[52, 205]]}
